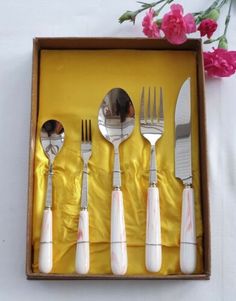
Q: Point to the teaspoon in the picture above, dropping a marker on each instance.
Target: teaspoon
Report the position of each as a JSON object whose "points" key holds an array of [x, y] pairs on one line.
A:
{"points": [[52, 138]]}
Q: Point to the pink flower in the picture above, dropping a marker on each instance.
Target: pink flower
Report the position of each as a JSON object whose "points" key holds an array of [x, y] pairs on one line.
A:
{"points": [[207, 27], [220, 62], [176, 26], [150, 28]]}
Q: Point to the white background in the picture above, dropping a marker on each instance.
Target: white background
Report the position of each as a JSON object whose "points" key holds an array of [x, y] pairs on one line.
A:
{"points": [[22, 20]]}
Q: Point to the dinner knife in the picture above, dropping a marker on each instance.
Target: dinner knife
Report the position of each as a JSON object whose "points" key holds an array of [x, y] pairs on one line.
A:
{"points": [[183, 171]]}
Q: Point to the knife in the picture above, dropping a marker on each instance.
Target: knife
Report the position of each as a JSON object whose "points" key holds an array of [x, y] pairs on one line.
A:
{"points": [[183, 171]]}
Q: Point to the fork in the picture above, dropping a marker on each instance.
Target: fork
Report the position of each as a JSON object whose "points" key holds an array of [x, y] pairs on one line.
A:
{"points": [[82, 258], [152, 128]]}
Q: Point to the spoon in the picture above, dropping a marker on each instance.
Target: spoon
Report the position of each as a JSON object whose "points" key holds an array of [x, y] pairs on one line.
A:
{"points": [[116, 123], [52, 138]]}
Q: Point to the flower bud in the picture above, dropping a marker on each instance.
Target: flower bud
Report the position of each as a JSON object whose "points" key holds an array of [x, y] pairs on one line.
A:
{"points": [[223, 43], [213, 14], [158, 22], [128, 16]]}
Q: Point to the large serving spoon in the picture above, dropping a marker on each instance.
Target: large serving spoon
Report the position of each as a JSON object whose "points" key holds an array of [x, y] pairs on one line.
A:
{"points": [[52, 138], [116, 123]]}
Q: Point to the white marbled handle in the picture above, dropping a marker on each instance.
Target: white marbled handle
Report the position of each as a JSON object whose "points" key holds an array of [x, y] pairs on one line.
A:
{"points": [[118, 235], [188, 247], [45, 248], [82, 258], [153, 253]]}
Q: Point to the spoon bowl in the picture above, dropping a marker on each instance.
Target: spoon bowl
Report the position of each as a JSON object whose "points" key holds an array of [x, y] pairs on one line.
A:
{"points": [[52, 138], [116, 116]]}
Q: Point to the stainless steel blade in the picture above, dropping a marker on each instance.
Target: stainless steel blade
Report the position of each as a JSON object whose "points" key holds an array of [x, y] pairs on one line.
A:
{"points": [[183, 154]]}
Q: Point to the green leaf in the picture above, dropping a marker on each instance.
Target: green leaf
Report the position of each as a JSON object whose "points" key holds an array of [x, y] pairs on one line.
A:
{"points": [[128, 16]]}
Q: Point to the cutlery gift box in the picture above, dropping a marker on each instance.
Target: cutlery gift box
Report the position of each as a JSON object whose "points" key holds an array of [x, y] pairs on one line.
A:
{"points": [[70, 78]]}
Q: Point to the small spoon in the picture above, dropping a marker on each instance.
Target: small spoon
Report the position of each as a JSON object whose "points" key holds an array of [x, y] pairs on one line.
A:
{"points": [[116, 123], [52, 138]]}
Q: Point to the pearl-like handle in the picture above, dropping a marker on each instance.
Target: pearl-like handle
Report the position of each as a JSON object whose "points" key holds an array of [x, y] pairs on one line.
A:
{"points": [[82, 258], [188, 246], [153, 252], [118, 235], [45, 248]]}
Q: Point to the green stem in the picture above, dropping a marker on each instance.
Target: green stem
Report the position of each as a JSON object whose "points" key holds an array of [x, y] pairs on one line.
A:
{"points": [[147, 5], [222, 4], [163, 5], [227, 18], [197, 13], [212, 41], [213, 5], [222, 39], [201, 15]]}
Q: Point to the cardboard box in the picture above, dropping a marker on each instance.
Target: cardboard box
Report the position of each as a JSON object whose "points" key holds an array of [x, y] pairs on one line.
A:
{"points": [[145, 48]]}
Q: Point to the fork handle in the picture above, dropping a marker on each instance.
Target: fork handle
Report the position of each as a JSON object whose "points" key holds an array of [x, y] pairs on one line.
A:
{"points": [[118, 235], [82, 257], [45, 248], [84, 192], [153, 252], [188, 246], [153, 168]]}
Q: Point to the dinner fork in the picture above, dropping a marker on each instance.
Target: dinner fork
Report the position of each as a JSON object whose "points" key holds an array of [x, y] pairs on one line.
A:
{"points": [[152, 128], [82, 257]]}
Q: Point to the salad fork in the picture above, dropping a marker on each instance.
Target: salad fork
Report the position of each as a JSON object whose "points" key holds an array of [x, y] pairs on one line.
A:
{"points": [[82, 257], [152, 128]]}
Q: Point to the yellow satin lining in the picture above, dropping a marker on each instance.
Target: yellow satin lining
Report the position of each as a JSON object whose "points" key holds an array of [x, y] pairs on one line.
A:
{"points": [[72, 86]]}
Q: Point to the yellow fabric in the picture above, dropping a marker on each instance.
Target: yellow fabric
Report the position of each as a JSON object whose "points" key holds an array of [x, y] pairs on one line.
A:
{"points": [[72, 86]]}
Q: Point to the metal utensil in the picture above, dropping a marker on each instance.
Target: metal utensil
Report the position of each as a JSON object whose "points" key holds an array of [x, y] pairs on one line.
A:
{"points": [[183, 171], [52, 139], [82, 257], [152, 129], [116, 123]]}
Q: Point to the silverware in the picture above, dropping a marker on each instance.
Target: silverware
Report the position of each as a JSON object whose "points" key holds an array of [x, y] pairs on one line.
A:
{"points": [[152, 128], [52, 139], [116, 123], [183, 171], [82, 257]]}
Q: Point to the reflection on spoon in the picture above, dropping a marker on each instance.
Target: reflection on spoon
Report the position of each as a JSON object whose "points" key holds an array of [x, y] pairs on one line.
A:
{"points": [[116, 120], [52, 138]]}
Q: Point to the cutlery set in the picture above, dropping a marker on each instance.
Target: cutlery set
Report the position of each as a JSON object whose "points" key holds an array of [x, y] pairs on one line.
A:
{"points": [[116, 121]]}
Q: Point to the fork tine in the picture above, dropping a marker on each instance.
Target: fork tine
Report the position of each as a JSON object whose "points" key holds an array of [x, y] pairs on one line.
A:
{"points": [[142, 117], [90, 131], [154, 115], [161, 112], [86, 130], [149, 107], [82, 133]]}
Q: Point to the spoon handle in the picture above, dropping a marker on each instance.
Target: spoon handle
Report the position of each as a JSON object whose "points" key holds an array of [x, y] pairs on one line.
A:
{"points": [[153, 253], [45, 247], [118, 234]]}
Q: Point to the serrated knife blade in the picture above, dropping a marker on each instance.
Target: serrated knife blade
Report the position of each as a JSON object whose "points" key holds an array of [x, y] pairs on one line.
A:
{"points": [[183, 171], [183, 154]]}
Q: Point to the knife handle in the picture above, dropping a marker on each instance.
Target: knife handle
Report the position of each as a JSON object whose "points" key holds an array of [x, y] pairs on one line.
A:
{"points": [[82, 257], [45, 247], [188, 244], [153, 253], [118, 235]]}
